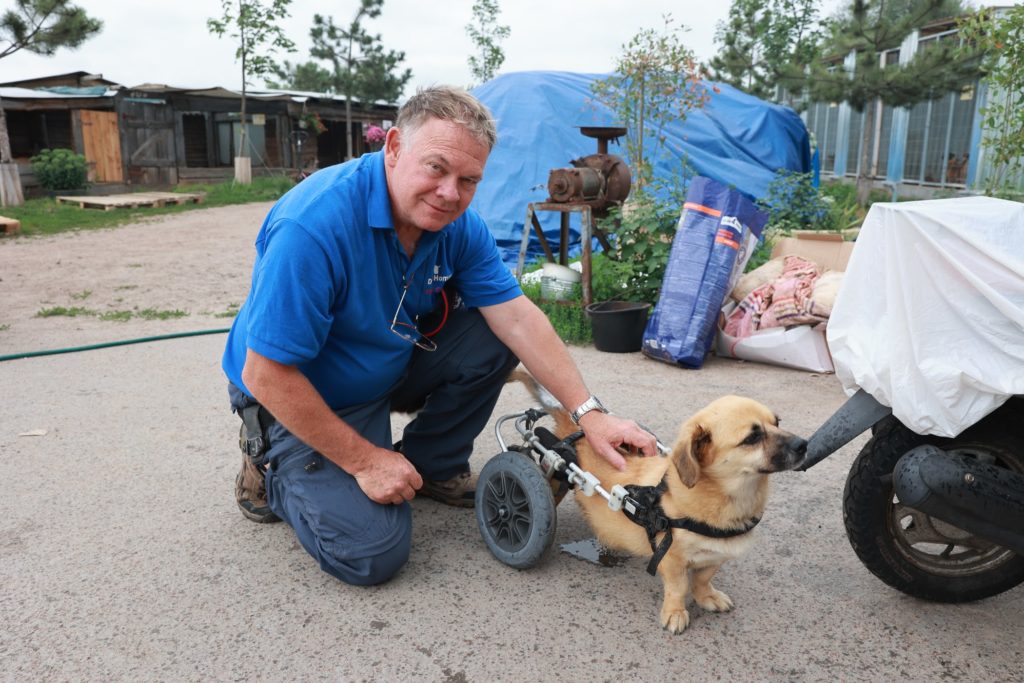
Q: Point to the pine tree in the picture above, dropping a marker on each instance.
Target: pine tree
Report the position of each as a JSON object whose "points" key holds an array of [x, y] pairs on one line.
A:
{"points": [[869, 30], [360, 66], [42, 27], [762, 40]]}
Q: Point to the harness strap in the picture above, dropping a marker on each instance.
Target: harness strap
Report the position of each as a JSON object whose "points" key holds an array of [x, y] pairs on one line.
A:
{"points": [[643, 507]]}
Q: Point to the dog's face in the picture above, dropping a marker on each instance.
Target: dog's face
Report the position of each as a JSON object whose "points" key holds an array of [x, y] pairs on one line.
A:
{"points": [[734, 437]]}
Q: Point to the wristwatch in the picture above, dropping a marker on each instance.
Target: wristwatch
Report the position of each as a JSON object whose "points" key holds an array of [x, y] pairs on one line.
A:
{"points": [[590, 404]]}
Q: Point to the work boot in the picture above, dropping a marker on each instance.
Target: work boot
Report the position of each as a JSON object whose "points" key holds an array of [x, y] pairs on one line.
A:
{"points": [[251, 489], [251, 493], [459, 491]]}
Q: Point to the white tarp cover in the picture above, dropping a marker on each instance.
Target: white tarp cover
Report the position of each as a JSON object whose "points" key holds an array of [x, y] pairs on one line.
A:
{"points": [[930, 318]]}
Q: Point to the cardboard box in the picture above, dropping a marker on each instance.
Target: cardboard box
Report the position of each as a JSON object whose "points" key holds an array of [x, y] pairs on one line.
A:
{"points": [[802, 347], [827, 249]]}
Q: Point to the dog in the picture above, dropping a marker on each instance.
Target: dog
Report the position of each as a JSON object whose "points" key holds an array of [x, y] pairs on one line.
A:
{"points": [[716, 476]]}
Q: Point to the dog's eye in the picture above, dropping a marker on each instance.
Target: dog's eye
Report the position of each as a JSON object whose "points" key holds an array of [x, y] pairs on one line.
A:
{"points": [[755, 436]]}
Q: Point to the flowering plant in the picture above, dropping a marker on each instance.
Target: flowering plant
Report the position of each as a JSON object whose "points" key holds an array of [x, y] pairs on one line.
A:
{"points": [[374, 135], [312, 121]]}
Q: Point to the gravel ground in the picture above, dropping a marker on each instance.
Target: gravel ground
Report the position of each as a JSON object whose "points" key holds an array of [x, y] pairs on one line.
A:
{"points": [[123, 556]]}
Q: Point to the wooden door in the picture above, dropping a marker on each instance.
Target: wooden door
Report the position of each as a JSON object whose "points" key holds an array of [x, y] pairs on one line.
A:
{"points": [[102, 145]]}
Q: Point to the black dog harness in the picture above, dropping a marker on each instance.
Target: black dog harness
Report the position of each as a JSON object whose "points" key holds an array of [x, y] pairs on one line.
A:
{"points": [[643, 506]]}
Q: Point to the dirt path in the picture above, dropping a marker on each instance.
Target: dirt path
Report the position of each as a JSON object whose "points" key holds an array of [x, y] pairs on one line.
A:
{"points": [[197, 262]]}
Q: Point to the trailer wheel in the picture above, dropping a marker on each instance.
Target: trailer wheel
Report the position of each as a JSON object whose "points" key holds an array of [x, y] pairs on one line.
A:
{"points": [[915, 553], [515, 510]]}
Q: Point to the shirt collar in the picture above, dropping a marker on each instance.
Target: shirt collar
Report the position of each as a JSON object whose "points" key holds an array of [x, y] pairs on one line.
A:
{"points": [[378, 206]]}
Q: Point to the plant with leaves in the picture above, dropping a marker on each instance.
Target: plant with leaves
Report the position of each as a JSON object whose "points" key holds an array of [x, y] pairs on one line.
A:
{"points": [[360, 67], [644, 229], [60, 169], [933, 71], [41, 27], [1000, 37], [255, 25], [657, 81], [762, 40], [486, 34]]}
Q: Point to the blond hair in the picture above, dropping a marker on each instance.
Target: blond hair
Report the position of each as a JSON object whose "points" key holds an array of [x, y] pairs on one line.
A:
{"points": [[448, 103]]}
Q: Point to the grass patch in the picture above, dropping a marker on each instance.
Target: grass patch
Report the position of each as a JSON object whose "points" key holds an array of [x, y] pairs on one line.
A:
{"points": [[154, 314], [81, 296], [116, 316], [56, 311], [4, 328], [113, 316], [46, 217], [230, 313]]}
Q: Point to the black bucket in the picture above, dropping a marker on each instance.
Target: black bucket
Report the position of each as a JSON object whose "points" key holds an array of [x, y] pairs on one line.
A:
{"points": [[618, 326]]}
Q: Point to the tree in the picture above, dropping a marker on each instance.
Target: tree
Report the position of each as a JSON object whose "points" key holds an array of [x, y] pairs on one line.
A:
{"points": [[762, 40], [933, 71], [253, 23], [657, 81], [486, 34], [308, 76], [1000, 37], [360, 66], [891, 11], [42, 27]]}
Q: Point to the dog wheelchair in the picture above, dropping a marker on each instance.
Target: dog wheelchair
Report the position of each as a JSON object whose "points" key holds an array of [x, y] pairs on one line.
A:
{"points": [[518, 490]]}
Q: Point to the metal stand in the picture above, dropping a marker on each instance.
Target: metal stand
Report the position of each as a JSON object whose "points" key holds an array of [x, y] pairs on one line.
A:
{"points": [[588, 229]]}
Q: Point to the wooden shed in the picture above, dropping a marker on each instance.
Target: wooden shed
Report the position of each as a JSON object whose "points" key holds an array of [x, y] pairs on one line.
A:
{"points": [[154, 135]]}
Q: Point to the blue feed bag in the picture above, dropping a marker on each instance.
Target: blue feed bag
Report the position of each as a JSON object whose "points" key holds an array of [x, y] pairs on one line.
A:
{"points": [[714, 230]]}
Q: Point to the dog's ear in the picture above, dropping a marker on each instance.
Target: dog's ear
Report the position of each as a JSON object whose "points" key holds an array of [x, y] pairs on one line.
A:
{"points": [[689, 453]]}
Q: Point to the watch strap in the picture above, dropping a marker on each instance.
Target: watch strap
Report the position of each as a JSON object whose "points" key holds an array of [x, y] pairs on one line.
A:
{"points": [[590, 404]]}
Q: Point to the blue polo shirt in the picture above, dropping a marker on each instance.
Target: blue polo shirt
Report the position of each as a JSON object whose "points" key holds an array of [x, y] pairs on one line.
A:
{"points": [[329, 274]]}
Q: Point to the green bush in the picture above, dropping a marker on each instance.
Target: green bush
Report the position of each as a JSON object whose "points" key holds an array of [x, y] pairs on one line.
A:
{"points": [[568, 318], [60, 169], [793, 203], [643, 230]]}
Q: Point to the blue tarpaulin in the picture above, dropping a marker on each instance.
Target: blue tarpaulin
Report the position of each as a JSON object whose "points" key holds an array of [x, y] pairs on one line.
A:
{"points": [[737, 139]]}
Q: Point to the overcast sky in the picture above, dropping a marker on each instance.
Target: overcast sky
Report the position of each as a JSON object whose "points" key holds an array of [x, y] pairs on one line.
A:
{"points": [[166, 41]]}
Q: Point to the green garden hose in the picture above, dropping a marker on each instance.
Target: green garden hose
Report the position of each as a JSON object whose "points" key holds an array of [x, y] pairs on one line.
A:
{"points": [[90, 347]]}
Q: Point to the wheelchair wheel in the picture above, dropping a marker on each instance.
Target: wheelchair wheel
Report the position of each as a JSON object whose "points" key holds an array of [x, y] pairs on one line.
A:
{"points": [[515, 510]]}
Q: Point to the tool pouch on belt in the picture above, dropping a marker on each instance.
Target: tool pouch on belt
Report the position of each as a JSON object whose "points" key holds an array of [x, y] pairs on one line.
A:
{"points": [[253, 438]]}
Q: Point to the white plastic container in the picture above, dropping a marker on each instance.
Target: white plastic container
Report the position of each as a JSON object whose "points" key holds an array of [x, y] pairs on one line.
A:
{"points": [[558, 282]]}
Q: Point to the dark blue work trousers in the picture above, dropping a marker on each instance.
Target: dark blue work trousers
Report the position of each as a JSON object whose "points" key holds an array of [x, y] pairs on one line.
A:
{"points": [[454, 388]]}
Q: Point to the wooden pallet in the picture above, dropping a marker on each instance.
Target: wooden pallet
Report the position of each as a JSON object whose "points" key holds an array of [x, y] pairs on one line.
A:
{"points": [[133, 200], [9, 226]]}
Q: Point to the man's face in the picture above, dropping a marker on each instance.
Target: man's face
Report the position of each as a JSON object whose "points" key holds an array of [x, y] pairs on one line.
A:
{"points": [[432, 174]]}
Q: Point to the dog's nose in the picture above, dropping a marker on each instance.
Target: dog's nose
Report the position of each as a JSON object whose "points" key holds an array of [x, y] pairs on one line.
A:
{"points": [[797, 445]]}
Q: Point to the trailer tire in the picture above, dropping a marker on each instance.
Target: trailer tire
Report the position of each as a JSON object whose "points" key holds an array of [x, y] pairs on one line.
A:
{"points": [[887, 536]]}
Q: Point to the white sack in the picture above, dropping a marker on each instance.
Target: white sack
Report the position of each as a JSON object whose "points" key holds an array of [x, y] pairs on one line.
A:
{"points": [[930, 318]]}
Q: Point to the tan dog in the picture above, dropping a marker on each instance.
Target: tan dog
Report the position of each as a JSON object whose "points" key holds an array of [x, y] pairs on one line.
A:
{"points": [[717, 475]]}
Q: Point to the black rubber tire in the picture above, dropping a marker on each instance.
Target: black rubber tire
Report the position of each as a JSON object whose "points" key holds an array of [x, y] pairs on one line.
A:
{"points": [[881, 531], [515, 510]]}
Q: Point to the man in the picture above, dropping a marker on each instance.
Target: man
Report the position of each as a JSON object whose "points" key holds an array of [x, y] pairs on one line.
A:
{"points": [[328, 343]]}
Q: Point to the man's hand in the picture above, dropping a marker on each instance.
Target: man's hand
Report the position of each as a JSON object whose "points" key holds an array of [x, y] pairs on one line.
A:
{"points": [[607, 432], [387, 477]]}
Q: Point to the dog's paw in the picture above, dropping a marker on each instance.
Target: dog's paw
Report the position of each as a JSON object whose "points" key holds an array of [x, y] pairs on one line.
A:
{"points": [[714, 601], [674, 619]]}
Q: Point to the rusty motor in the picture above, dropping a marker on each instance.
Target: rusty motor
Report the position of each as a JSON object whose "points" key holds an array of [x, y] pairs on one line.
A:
{"points": [[597, 180]]}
